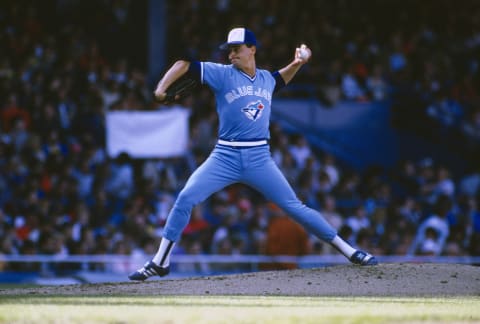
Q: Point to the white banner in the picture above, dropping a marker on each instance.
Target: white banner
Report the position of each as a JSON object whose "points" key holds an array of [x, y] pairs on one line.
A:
{"points": [[147, 134]]}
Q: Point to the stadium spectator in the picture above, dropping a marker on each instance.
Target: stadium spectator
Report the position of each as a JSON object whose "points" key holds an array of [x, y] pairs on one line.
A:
{"points": [[329, 211], [358, 221], [438, 222], [284, 237], [300, 150]]}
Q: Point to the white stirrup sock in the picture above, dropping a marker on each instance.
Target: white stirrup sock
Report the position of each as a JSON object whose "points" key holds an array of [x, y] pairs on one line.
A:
{"points": [[162, 258], [345, 248]]}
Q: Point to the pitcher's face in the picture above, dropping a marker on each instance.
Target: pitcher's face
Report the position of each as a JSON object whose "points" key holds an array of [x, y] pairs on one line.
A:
{"points": [[241, 56]]}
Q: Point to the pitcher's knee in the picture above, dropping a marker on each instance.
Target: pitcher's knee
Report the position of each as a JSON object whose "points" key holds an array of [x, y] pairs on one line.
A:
{"points": [[294, 207], [184, 201], [177, 220]]}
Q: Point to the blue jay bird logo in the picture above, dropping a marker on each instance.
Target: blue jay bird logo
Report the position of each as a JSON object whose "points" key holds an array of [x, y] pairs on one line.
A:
{"points": [[253, 110]]}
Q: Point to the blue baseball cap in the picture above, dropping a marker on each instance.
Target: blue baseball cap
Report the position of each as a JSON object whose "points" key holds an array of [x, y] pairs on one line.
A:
{"points": [[239, 36]]}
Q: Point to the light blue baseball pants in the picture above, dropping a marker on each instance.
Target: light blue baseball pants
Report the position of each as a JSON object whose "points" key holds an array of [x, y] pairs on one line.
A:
{"points": [[254, 167]]}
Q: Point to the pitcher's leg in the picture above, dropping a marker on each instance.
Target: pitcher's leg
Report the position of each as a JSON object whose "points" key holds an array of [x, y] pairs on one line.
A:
{"points": [[270, 181], [218, 171], [213, 175]]}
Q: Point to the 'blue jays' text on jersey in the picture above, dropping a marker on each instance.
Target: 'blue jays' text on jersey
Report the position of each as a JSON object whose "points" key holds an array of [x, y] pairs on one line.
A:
{"points": [[243, 102]]}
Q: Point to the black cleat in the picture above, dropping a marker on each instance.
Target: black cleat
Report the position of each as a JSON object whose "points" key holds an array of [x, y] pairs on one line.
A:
{"points": [[363, 258], [150, 269]]}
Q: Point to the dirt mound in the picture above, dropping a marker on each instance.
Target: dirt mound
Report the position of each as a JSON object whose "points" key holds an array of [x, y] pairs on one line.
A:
{"points": [[344, 280]]}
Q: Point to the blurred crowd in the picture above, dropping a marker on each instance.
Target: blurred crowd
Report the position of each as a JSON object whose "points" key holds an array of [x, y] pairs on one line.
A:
{"points": [[363, 50], [61, 194]]}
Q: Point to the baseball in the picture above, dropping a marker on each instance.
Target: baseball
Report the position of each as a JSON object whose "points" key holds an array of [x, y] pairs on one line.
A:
{"points": [[303, 52]]}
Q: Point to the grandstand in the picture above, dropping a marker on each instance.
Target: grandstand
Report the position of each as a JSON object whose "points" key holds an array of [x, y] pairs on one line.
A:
{"points": [[386, 120]]}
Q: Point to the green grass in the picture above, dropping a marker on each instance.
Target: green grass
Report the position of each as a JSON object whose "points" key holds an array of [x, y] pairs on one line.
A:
{"points": [[227, 309]]}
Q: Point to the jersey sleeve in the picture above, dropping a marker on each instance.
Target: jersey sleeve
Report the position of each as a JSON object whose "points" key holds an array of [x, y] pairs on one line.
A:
{"points": [[194, 70], [212, 74], [279, 82]]}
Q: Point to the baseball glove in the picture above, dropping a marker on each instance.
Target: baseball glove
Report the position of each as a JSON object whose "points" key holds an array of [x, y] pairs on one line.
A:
{"points": [[180, 89]]}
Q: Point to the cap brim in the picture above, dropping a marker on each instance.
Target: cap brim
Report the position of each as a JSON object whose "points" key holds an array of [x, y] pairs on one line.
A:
{"points": [[225, 46]]}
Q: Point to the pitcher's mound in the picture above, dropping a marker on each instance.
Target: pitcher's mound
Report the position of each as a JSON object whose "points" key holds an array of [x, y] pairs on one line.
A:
{"points": [[343, 280]]}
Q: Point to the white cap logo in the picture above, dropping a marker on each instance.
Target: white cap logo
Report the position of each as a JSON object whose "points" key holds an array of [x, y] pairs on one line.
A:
{"points": [[236, 35], [239, 36]]}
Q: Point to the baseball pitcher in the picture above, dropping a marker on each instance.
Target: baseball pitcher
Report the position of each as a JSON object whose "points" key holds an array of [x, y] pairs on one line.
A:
{"points": [[243, 95]]}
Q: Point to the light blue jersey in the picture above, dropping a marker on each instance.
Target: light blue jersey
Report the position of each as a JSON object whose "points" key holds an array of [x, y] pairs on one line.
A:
{"points": [[243, 102]]}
